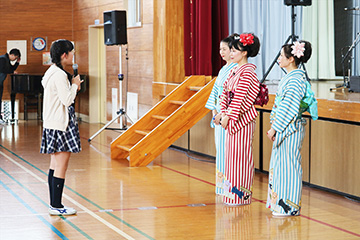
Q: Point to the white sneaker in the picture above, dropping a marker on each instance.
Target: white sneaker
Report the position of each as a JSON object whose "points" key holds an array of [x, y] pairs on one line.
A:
{"points": [[62, 211], [276, 214]]}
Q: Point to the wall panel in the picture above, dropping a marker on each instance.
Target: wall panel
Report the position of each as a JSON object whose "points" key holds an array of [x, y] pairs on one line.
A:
{"points": [[169, 41], [138, 70], [335, 156], [202, 136], [21, 20]]}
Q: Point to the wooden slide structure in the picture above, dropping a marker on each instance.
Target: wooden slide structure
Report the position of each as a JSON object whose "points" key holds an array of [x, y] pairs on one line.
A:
{"points": [[164, 123]]}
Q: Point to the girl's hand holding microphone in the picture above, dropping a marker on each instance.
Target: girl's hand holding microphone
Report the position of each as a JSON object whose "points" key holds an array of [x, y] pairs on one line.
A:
{"points": [[76, 80]]}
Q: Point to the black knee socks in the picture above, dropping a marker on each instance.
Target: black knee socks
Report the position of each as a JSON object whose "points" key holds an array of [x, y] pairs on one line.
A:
{"points": [[50, 177], [57, 190]]}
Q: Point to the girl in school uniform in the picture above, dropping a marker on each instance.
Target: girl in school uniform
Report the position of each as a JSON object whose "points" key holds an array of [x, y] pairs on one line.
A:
{"points": [[60, 130], [238, 118], [213, 104], [293, 97]]}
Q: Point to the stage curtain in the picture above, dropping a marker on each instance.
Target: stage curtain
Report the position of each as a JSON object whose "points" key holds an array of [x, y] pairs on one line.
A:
{"points": [[205, 24], [318, 28], [220, 30]]}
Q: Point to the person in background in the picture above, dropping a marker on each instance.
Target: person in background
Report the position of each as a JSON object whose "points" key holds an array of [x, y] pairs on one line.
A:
{"points": [[7, 68], [293, 97], [213, 104], [60, 135], [238, 116]]}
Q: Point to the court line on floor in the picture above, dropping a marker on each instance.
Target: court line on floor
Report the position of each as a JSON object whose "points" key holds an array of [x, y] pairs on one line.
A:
{"points": [[170, 169], [262, 201], [161, 207], [255, 199], [54, 229], [331, 226], [74, 201], [199, 179], [40, 200]]}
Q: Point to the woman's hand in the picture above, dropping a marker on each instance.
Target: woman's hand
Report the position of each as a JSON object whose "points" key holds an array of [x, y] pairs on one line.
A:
{"points": [[224, 121], [76, 80], [217, 118], [271, 134]]}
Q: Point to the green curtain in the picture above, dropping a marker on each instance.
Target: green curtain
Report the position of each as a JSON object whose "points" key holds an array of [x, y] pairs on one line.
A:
{"points": [[318, 28]]}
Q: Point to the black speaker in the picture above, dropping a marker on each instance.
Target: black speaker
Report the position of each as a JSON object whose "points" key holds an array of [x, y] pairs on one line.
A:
{"points": [[297, 2], [115, 28]]}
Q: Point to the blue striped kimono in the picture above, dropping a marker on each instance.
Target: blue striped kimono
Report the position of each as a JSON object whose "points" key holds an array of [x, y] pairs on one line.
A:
{"points": [[213, 103], [285, 172]]}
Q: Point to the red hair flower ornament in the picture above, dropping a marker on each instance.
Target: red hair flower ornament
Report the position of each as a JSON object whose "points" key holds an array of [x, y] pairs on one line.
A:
{"points": [[246, 39], [298, 49]]}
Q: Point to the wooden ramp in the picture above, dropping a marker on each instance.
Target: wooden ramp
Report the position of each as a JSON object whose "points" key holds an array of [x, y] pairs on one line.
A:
{"points": [[164, 123]]}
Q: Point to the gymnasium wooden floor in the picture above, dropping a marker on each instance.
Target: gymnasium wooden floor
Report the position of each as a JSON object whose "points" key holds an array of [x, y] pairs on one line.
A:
{"points": [[173, 198]]}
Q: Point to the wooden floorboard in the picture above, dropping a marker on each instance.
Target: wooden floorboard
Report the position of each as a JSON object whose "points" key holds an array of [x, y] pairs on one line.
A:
{"points": [[172, 198]]}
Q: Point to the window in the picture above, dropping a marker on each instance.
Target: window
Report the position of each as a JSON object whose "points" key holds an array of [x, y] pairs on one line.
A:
{"points": [[133, 13]]}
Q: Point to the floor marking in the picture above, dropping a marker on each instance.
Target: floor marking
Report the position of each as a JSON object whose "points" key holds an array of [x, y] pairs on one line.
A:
{"points": [[29, 215], [55, 230], [264, 202], [256, 200], [73, 201], [45, 204], [147, 208], [161, 207], [329, 225], [185, 174], [197, 205], [106, 210], [79, 170], [81, 196]]}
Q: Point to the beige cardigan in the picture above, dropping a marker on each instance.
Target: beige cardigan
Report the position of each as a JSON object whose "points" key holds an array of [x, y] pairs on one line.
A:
{"points": [[58, 96]]}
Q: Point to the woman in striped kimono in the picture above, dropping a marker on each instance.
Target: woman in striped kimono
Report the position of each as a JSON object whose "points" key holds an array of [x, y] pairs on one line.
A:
{"points": [[287, 132], [213, 104], [238, 118]]}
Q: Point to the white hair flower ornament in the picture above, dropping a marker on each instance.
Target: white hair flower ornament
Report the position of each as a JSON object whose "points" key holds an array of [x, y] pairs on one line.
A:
{"points": [[298, 49]]}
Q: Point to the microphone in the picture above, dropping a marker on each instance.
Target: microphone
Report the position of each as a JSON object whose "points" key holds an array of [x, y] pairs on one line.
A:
{"points": [[75, 67], [352, 9]]}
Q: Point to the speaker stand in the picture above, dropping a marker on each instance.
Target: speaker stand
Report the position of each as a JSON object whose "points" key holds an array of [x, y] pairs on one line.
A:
{"points": [[291, 37], [122, 112], [346, 82]]}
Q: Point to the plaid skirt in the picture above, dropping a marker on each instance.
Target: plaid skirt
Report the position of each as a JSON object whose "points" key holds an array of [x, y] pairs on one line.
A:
{"points": [[58, 141]]}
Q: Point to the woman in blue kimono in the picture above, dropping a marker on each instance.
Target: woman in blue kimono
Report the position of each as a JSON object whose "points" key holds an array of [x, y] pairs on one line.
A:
{"points": [[293, 97], [213, 104]]}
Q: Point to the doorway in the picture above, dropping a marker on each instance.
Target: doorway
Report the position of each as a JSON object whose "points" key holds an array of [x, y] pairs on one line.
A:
{"points": [[97, 75]]}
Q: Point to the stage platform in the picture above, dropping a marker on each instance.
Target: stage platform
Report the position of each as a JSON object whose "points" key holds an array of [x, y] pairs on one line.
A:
{"points": [[339, 104]]}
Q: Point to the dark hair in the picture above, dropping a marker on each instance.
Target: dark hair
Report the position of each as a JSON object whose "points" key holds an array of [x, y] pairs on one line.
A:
{"points": [[228, 39], [15, 52], [303, 59], [252, 50], [58, 48]]}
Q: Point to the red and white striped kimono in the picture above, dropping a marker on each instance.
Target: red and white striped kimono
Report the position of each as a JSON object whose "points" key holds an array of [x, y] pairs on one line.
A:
{"points": [[238, 97]]}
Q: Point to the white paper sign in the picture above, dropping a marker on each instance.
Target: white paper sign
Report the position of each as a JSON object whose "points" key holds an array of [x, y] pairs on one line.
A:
{"points": [[21, 45], [132, 106]]}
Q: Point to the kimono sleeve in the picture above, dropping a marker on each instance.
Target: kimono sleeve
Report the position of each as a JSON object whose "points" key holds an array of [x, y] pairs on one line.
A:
{"points": [[211, 102]]}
